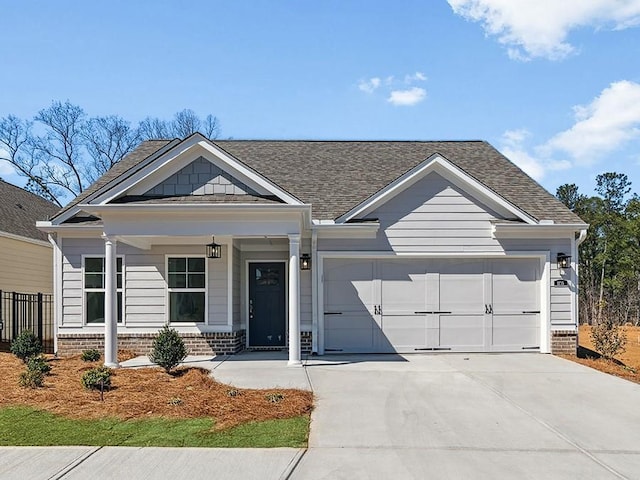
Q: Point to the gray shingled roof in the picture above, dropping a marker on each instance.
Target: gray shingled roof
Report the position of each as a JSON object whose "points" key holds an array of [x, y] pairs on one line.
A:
{"points": [[19, 211], [335, 176]]}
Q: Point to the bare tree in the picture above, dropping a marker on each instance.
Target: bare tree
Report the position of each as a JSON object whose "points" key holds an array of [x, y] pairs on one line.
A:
{"points": [[62, 151], [59, 151], [185, 122], [108, 140], [17, 149], [154, 128]]}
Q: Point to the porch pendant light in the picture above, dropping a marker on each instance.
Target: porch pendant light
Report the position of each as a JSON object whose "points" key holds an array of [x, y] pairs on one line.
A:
{"points": [[214, 250], [305, 261], [564, 261]]}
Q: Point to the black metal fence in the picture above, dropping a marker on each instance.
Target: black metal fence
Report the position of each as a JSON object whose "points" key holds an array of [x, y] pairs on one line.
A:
{"points": [[26, 311]]}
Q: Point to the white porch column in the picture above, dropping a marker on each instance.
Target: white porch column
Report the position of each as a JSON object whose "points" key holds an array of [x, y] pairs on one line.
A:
{"points": [[110, 304], [294, 300]]}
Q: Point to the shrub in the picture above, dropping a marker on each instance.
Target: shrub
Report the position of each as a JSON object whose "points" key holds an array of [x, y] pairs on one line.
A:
{"points": [[26, 345], [98, 378], [608, 339], [168, 349], [31, 378], [39, 363], [275, 397], [91, 355]]}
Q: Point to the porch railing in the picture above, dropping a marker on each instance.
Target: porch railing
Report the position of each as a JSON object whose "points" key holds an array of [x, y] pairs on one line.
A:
{"points": [[26, 311]]}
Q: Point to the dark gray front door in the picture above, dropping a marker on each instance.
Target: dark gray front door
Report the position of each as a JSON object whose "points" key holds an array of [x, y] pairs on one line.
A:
{"points": [[267, 304]]}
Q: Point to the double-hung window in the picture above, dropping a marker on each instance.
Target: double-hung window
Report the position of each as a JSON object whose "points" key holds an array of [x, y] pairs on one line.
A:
{"points": [[187, 289], [94, 288]]}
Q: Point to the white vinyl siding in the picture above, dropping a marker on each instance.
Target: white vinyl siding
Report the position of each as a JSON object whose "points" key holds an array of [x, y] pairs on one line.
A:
{"points": [[146, 286], [434, 216]]}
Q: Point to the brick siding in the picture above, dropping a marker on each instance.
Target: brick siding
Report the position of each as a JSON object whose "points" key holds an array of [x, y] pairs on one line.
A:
{"points": [[216, 343], [564, 342]]}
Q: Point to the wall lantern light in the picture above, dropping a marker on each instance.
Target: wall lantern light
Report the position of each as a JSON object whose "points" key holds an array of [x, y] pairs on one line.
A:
{"points": [[564, 261], [305, 261], [214, 250]]}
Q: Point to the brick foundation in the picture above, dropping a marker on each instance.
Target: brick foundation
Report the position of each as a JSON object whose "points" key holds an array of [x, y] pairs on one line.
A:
{"points": [[306, 344], [564, 342], [215, 343]]}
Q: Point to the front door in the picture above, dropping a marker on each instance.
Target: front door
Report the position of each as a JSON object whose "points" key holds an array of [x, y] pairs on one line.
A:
{"points": [[267, 313]]}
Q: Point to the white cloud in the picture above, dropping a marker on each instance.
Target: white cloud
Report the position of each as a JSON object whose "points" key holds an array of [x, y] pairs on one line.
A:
{"points": [[602, 127], [607, 123], [415, 77], [539, 28], [370, 86], [513, 146], [407, 98]]}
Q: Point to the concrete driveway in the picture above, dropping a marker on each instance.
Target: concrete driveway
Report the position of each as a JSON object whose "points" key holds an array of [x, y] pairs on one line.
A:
{"points": [[469, 416], [444, 416]]}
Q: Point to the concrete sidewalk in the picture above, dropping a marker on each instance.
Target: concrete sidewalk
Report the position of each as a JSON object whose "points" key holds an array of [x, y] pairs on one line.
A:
{"points": [[480, 416], [123, 463]]}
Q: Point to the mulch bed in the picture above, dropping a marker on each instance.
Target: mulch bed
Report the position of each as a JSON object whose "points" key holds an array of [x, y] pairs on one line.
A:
{"points": [[148, 392]]}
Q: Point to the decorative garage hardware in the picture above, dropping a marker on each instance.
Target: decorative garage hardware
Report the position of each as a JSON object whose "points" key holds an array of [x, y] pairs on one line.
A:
{"points": [[214, 250], [530, 348], [531, 311], [488, 308], [377, 309], [333, 313], [560, 283], [430, 313], [432, 348], [564, 261], [305, 261]]}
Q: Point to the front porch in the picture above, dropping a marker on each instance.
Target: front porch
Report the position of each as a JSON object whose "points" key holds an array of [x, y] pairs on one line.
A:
{"points": [[255, 296]]}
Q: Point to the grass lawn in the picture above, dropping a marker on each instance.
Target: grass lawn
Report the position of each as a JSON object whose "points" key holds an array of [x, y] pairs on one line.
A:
{"points": [[28, 426], [147, 407]]}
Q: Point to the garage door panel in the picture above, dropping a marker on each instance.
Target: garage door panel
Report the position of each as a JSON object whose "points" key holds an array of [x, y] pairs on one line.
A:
{"points": [[458, 331], [516, 331], [404, 332], [489, 301], [350, 333], [403, 287], [349, 285], [515, 285], [461, 286]]}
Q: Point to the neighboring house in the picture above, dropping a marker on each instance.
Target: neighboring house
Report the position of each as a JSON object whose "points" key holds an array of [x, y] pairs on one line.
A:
{"points": [[25, 251], [412, 247]]}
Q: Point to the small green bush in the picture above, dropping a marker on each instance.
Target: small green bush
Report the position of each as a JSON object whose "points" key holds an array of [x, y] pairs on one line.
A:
{"points": [[39, 363], [31, 378], [91, 355], [98, 378], [168, 349], [26, 345], [609, 339]]}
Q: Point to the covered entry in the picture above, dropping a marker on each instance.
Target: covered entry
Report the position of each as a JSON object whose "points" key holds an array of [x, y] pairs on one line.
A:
{"points": [[414, 305]]}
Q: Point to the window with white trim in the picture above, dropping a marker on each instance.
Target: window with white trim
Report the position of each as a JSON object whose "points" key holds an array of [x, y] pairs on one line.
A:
{"points": [[94, 288], [187, 289]]}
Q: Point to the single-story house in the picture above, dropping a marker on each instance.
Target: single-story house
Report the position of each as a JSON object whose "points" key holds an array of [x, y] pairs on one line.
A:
{"points": [[318, 246], [25, 251]]}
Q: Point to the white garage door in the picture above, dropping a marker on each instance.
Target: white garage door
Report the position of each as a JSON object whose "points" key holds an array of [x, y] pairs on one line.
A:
{"points": [[412, 305]]}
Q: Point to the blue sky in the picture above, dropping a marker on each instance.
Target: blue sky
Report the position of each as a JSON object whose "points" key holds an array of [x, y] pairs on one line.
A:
{"points": [[553, 85]]}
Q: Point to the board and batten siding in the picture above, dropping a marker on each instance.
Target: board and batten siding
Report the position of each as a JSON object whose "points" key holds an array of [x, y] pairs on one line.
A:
{"points": [[145, 282], [25, 267], [433, 216]]}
